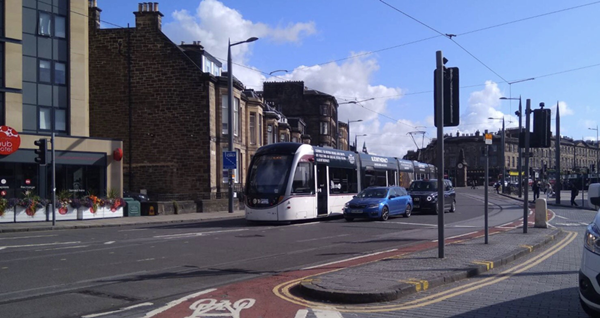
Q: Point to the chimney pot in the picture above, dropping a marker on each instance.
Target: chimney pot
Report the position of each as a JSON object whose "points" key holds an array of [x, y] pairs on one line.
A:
{"points": [[140, 7], [144, 6], [155, 6], [182, 42]]}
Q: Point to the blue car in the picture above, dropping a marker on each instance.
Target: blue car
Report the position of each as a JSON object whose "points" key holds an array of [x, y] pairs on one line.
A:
{"points": [[379, 203]]}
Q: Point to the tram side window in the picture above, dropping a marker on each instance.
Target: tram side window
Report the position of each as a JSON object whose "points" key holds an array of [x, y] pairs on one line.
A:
{"points": [[342, 181], [391, 177], [304, 182], [376, 179]]}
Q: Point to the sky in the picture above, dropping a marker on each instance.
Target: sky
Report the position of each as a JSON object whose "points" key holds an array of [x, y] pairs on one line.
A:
{"points": [[381, 56]]}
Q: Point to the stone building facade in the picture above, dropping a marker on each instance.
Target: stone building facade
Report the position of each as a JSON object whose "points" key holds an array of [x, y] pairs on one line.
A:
{"points": [[169, 104], [317, 109], [576, 156]]}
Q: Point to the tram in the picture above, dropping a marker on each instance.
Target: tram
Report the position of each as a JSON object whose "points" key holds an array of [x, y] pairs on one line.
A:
{"points": [[292, 181]]}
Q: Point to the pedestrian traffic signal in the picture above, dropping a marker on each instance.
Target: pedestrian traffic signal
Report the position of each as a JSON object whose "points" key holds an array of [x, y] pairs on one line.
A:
{"points": [[541, 129], [41, 151]]}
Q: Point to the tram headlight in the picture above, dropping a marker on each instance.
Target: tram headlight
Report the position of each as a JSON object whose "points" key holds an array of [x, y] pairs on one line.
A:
{"points": [[592, 239]]}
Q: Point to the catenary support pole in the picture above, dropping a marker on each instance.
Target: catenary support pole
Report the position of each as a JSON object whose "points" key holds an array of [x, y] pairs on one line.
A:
{"points": [[486, 182], [526, 183], [439, 111], [558, 181]]}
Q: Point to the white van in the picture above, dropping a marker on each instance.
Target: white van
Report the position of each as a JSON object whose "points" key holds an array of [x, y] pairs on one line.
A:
{"points": [[589, 273]]}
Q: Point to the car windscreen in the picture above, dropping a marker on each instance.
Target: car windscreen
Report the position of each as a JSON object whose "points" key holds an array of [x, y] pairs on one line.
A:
{"points": [[423, 186], [373, 193]]}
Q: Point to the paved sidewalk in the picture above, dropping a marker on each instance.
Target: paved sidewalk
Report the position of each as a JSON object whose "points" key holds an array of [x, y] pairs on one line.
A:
{"points": [[418, 269], [565, 199], [124, 221]]}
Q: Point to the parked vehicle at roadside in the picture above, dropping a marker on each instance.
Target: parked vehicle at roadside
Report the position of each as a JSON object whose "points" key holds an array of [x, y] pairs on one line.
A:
{"points": [[589, 287], [424, 194], [379, 203]]}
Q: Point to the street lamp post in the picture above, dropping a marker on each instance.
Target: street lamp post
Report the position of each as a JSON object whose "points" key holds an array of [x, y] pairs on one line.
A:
{"points": [[356, 140], [503, 156], [597, 148], [351, 121], [519, 164], [230, 113]]}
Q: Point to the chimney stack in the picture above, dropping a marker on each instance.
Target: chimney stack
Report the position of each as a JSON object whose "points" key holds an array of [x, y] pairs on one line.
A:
{"points": [[148, 16], [93, 15]]}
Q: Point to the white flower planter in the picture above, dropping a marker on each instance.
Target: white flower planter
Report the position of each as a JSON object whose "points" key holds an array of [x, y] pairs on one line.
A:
{"points": [[62, 214], [22, 216], [84, 213], [118, 213], [8, 216]]}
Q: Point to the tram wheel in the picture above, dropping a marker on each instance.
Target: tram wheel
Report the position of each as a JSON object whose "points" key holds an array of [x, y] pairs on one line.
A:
{"points": [[385, 214]]}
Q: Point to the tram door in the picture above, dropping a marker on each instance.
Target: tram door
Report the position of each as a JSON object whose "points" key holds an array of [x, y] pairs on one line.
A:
{"points": [[322, 190]]}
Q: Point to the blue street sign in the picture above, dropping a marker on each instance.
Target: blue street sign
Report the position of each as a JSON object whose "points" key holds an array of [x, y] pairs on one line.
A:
{"points": [[229, 160]]}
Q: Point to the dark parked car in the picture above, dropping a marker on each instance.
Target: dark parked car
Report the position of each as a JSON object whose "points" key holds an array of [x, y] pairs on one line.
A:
{"points": [[136, 196], [424, 194], [379, 202]]}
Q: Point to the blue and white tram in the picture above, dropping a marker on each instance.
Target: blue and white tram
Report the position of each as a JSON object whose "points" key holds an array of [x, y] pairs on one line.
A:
{"points": [[292, 181]]}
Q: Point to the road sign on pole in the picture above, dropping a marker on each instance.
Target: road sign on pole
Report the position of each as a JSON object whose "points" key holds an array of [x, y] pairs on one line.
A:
{"points": [[488, 139], [229, 160]]}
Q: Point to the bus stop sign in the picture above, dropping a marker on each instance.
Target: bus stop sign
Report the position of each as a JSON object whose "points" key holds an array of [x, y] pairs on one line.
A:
{"points": [[229, 160]]}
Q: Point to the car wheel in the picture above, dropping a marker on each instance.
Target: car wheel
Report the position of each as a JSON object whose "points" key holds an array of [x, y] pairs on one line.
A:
{"points": [[349, 219], [385, 214], [453, 207], [408, 211], [591, 312]]}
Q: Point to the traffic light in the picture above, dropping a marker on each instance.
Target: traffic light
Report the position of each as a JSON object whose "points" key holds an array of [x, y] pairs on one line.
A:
{"points": [[541, 129], [41, 151]]}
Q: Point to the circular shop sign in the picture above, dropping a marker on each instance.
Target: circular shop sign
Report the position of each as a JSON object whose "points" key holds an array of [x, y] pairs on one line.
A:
{"points": [[9, 140]]}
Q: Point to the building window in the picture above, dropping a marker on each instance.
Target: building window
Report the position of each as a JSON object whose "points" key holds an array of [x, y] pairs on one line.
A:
{"points": [[44, 24], [45, 118], [325, 110], [260, 130], [45, 71], [269, 134], [281, 137], [294, 139], [324, 128], [60, 27], [236, 116], [224, 115], [252, 128], [60, 74]]}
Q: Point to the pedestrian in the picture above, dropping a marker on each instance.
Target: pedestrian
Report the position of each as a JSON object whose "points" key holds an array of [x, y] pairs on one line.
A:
{"points": [[574, 194], [536, 190], [497, 186]]}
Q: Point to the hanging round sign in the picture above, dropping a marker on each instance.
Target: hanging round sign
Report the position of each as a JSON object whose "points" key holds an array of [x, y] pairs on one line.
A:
{"points": [[9, 140]]}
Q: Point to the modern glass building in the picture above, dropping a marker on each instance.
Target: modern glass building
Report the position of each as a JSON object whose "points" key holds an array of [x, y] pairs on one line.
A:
{"points": [[44, 89]]}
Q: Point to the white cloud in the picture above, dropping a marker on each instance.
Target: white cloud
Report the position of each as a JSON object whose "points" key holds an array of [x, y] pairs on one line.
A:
{"points": [[565, 110]]}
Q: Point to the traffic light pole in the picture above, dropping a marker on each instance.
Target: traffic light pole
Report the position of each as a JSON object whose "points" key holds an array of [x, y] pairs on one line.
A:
{"points": [[53, 183], [526, 183]]}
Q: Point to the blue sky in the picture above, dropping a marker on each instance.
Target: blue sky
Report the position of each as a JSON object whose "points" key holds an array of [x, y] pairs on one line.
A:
{"points": [[363, 49]]}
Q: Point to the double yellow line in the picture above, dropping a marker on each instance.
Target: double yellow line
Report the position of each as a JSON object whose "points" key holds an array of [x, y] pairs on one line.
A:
{"points": [[283, 290]]}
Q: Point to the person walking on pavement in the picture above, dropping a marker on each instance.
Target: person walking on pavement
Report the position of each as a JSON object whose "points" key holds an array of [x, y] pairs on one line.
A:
{"points": [[497, 186], [574, 194], [536, 190]]}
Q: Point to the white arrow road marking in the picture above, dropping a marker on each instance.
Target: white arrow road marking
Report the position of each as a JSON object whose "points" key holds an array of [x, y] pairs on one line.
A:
{"points": [[176, 302], [34, 245], [116, 311]]}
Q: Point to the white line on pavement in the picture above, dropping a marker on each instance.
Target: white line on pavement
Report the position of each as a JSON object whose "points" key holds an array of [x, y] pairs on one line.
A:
{"points": [[109, 242], [322, 313], [62, 248], [133, 230], [562, 217], [302, 313], [43, 244], [145, 260], [116, 311], [181, 235], [22, 237], [349, 259], [422, 224], [451, 237], [322, 238], [177, 302]]}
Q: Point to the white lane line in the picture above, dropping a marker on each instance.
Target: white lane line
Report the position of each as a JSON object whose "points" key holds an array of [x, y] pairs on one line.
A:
{"points": [[43, 244], [451, 237], [109, 242], [462, 226], [303, 224], [132, 230], [422, 224], [348, 259], [562, 217], [505, 224], [182, 235], [23, 237], [322, 238], [302, 313], [145, 260], [117, 311], [323, 313], [552, 226], [62, 248], [1, 248], [176, 302]]}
